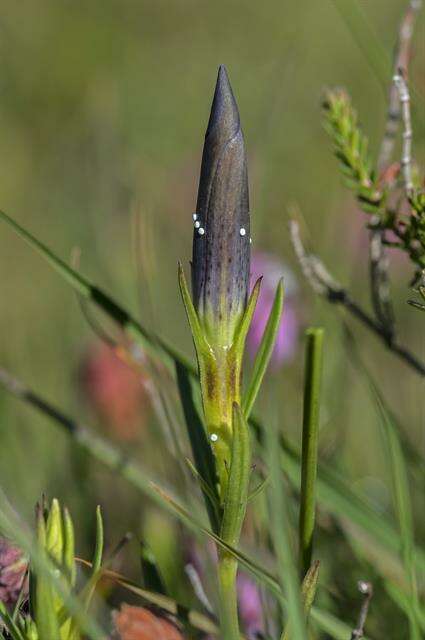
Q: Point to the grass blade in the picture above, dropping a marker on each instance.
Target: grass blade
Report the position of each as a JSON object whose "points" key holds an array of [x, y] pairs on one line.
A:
{"points": [[402, 508], [400, 488], [153, 345], [282, 541], [312, 384]]}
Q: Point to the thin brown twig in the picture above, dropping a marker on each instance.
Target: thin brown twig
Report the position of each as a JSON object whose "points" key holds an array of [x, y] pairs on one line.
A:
{"points": [[366, 590], [323, 283], [379, 277]]}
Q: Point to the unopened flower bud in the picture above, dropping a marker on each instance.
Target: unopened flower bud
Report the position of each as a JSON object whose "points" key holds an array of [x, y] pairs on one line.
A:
{"points": [[221, 239]]}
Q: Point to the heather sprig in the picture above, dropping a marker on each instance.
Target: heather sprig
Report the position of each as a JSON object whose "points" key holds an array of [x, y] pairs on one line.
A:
{"points": [[407, 221], [351, 149]]}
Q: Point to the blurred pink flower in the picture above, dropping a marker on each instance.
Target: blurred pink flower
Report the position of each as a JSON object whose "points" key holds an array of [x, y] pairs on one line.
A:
{"points": [[272, 269], [115, 391], [13, 568], [250, 606]]}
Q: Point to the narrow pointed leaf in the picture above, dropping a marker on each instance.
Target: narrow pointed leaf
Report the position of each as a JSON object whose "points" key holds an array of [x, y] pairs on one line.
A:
{"points": [[192, 316], [245, 323], [312, 384], [265, 351], [69, 547], [98, 550]]}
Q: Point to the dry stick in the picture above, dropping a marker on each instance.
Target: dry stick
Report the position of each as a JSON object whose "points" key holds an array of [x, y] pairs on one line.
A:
{"points": [[325, 285], [379, 278], [401, 61], [406, 158], [366, 589]]}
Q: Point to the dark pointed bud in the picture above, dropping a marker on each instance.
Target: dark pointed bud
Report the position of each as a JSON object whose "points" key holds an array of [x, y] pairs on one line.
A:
{"points": [[221, 241]]}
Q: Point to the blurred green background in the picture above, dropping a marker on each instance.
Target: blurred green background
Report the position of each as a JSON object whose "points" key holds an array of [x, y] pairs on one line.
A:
{"points": [[103, 108]]}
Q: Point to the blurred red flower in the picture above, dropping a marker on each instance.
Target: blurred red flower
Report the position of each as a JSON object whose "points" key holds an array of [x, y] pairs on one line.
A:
{"points": [[115, 390], [137, 623]]}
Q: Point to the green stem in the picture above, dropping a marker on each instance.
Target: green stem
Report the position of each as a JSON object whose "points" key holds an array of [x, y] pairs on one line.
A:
{"points": [[227, 570], [313, 374]]}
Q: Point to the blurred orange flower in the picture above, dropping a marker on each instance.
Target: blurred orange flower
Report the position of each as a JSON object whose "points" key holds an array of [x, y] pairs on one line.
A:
{"points": [[137, 623]]}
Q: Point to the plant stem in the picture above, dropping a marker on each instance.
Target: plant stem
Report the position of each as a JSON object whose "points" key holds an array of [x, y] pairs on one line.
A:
{"points": [[227, 570], [313, 374]]}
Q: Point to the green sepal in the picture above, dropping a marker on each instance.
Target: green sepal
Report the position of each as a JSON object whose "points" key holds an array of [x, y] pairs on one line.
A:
{"points": [[54, 544], [96, 565], [245, 322], [69, 548], [264, 352], [238, 484], [98, 549], [201, 343]]}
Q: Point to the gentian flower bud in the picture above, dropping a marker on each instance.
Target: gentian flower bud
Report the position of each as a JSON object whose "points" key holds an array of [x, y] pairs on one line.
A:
{"points": [[220, 311], [221, 239]]}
